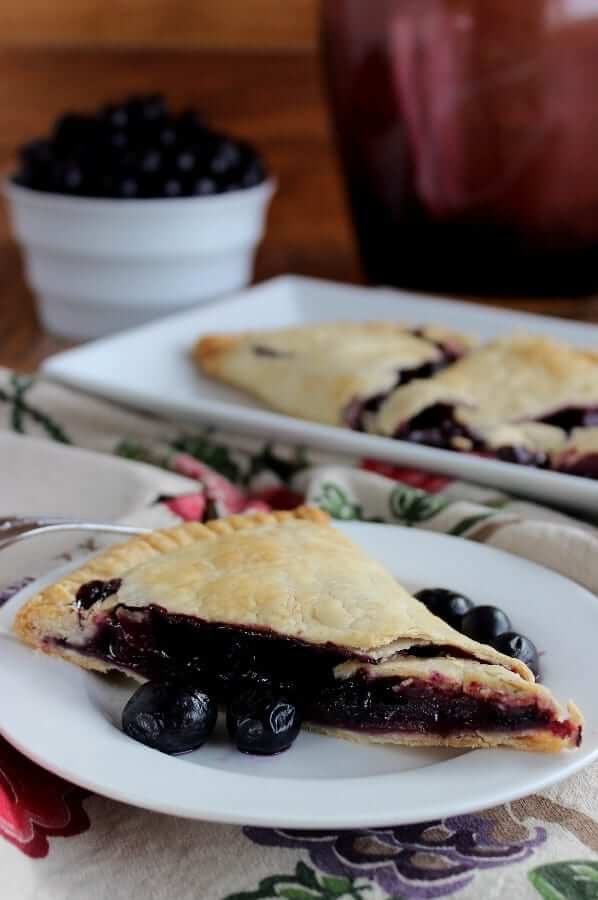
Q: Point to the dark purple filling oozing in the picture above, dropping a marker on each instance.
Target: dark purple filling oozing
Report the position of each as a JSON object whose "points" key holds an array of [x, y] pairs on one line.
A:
{"points": [[522, 456], [95, 591], [571, 417], [355, 412], [412, 705], [584, 466], [436, 426], [157, 645]]}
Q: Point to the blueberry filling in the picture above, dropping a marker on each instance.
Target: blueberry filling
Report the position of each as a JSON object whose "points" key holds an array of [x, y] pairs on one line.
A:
{"points": [[378, 705], [355, 413], [571, 417], [584, 466], [159, 645], [436, 426], [522, 456], [225, 661], [94, 591], [263, 350]]}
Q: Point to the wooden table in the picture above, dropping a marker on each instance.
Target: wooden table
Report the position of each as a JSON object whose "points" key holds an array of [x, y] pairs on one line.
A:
{"points": [[273, 99]]}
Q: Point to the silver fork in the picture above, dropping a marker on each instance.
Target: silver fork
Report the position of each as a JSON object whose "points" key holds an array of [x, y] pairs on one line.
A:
{"points": [[14, 529]]}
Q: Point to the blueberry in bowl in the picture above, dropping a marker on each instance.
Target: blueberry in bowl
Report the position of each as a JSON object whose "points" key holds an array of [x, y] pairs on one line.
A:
{"points": [[157, 211], [137, 140]]}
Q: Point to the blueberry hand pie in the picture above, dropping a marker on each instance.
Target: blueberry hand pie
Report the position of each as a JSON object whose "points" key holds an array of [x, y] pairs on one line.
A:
{"points": [[332, 373], [519, 393], [288, 597]]}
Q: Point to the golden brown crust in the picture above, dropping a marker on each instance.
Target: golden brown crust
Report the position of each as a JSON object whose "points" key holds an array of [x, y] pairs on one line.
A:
{"points": [[288, 572], [207, 351], [479, 680], [510, 381], [317, 371], [52, 609], [534, 741]]}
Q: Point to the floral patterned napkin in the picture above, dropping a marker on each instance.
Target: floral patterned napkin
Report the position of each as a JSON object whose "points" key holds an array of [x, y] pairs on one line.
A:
{"points": [[60, 842]]}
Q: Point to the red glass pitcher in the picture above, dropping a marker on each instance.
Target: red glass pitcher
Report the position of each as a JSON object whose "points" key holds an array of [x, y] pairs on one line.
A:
{"points": [[468, 132]]}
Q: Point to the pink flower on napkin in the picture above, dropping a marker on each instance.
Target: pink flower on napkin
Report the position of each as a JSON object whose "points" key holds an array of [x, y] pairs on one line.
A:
{"points": [[188, 507], [425, 481], [34, 804], [221, 494], [227, 498]]}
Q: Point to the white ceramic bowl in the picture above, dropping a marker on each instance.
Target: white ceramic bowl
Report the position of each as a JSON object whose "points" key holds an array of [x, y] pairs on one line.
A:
{"points": [[97, 266]]}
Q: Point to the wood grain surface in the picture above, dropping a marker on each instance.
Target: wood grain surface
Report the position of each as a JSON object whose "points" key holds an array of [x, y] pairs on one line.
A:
{"points": [[220, 24], [273, 99]]}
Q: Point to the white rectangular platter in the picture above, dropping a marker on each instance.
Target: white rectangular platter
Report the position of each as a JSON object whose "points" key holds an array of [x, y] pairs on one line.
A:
{"points": [[150, 368]]}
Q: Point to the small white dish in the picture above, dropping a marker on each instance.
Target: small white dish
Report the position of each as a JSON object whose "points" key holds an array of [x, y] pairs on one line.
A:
{"points": [[97, 266], [151, 368], [67, 719]]}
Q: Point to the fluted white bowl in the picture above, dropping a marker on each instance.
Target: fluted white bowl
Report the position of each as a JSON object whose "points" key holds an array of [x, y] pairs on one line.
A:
{"points": [[97, 266]]}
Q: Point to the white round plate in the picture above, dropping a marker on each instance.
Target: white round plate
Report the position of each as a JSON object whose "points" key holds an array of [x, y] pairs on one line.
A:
{"points": [[67, 720]]}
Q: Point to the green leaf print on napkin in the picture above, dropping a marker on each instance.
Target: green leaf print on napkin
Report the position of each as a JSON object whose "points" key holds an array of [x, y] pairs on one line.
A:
{"points": [[410, 505], [21, 410], [213, 454], [337, 503], [305, 884], [572, 880]]}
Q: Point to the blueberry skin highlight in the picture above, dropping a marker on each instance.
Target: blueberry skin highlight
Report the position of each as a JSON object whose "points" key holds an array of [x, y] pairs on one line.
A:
{"points": [[171, 717]]}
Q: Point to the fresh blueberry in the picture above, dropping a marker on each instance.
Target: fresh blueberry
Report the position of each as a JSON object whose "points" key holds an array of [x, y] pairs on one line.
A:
{"points": [[262, 723], [115, 116], [68, 178], [167, 136], [126, 186], [118, 141], [226, 156], [253, 174], [146, 108], [170, 716], [204, 187], [485, 623], [519, 647], [448, 605], [172, 187], [185, 161], [150, 161], [154, 108], [38, 152], [136, 148]]}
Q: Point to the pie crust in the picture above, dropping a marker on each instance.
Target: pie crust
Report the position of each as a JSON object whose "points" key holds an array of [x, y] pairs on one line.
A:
{"points": [[511, 381], [290, 576], [317, 372]]}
